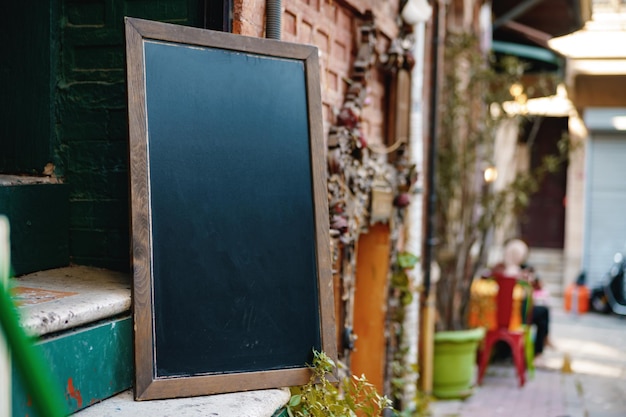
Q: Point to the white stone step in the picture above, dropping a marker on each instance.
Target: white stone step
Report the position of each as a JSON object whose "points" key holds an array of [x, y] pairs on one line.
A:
{"points": [[549, 266], [55, 301], [60, 299], [262, 403]]}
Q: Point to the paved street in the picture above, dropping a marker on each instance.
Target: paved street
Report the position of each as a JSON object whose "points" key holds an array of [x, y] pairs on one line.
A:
{"points": [[591, 346]]}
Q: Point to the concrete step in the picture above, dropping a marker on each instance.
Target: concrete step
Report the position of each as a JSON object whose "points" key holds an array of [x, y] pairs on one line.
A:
{"points": [[261, 403], [549, 266], [82, 317]]}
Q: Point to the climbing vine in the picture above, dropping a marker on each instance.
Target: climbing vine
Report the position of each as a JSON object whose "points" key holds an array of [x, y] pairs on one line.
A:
{"points": [[362, 178]]}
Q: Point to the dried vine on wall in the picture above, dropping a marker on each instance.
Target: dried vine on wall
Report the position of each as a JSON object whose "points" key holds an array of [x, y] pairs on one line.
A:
{"points": [[361, 180]]}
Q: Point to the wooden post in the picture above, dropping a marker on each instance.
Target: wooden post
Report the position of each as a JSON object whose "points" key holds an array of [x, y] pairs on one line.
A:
{"points": [[370, 305], [427, 347]]}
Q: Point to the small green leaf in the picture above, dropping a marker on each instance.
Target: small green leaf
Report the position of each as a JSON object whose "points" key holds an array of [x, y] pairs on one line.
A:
{"points": [[400, 279], [407, 260], [407, 298], [295, 400]]}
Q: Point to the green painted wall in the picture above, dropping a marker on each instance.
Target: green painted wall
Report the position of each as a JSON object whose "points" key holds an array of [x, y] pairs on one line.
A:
{"points": [[89, 365], [63, 101], [39, 217], [25, 83], [91, 120]]}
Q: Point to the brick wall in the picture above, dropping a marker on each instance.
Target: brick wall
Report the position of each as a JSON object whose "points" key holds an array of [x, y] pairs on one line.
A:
{"points": [[91, 121], [89, 97], [332, 26]]}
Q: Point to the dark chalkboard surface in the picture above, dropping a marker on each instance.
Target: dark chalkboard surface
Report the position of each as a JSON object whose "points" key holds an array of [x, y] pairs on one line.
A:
{"points": [[232, 282]]}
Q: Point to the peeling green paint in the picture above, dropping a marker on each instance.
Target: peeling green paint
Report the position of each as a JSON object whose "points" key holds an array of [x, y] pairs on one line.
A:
{"points": [[91, 364]]}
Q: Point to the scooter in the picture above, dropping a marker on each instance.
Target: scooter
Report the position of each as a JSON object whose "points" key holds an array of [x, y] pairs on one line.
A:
{"points": [[610, 296]]}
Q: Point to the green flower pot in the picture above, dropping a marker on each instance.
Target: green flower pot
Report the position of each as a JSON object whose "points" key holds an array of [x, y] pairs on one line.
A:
{"points": [[455, 362]]}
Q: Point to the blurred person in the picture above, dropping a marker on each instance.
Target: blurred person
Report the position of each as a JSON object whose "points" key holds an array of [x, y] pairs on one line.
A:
{"points": [[540, 311]]}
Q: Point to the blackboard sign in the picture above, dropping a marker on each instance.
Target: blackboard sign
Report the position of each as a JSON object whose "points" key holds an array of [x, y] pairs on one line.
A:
{"points": [[231, 260]]}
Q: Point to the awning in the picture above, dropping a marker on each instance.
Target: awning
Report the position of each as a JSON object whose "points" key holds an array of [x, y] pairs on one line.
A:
{"points": [[526, 51]]}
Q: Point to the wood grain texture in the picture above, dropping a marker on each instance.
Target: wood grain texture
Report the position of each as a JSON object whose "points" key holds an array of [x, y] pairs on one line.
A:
{"points": [[371, 290], [147, 384], [140, 215], [318, 166], [193, 36], [210, 384]]}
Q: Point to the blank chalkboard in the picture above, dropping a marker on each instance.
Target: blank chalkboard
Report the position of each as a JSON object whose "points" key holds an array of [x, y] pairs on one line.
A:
{"points": [[232, 281]]}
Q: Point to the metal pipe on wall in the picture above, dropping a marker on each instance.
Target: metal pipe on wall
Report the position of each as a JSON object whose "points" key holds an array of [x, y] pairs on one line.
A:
{"points": [[438, 35], [427, 301], [273, 22]]}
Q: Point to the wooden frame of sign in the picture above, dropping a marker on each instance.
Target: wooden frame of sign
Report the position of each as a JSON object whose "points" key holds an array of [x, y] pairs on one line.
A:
{"points": [[232, 282]]}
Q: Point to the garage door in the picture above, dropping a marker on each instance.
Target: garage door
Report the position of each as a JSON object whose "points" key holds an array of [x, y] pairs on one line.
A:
{"points": [[605, 228]]}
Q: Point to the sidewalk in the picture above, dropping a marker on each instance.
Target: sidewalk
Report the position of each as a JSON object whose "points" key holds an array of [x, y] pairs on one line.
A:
{"points": [[591, 346]]}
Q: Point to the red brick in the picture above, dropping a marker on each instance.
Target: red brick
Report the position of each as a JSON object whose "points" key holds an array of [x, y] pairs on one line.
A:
{"points": [[305, 32], [330, 25], [322, 40], [333, 80], [343, 19], [329, 9], [289, 23], [339, 51]]}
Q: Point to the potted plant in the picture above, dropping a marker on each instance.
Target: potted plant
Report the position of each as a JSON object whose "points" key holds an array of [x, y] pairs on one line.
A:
{"points": [[468, 207]]}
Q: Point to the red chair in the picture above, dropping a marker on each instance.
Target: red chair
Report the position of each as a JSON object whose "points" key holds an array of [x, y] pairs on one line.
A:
{"points": [[514, 338]]}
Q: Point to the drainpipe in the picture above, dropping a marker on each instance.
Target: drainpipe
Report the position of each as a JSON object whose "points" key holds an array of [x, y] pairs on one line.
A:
{"points": [[438, 34], [273, 19], [427, 307]]}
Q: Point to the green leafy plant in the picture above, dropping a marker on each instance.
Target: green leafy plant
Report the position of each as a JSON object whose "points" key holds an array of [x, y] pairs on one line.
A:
{"points": [[474, 92], [403, 289], [400, 280], [421, 408], [322, 398], [401, 296]]}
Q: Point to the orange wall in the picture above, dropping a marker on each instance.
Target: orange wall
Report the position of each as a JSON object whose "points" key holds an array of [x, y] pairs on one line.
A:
{"points": [[370, 305]]}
